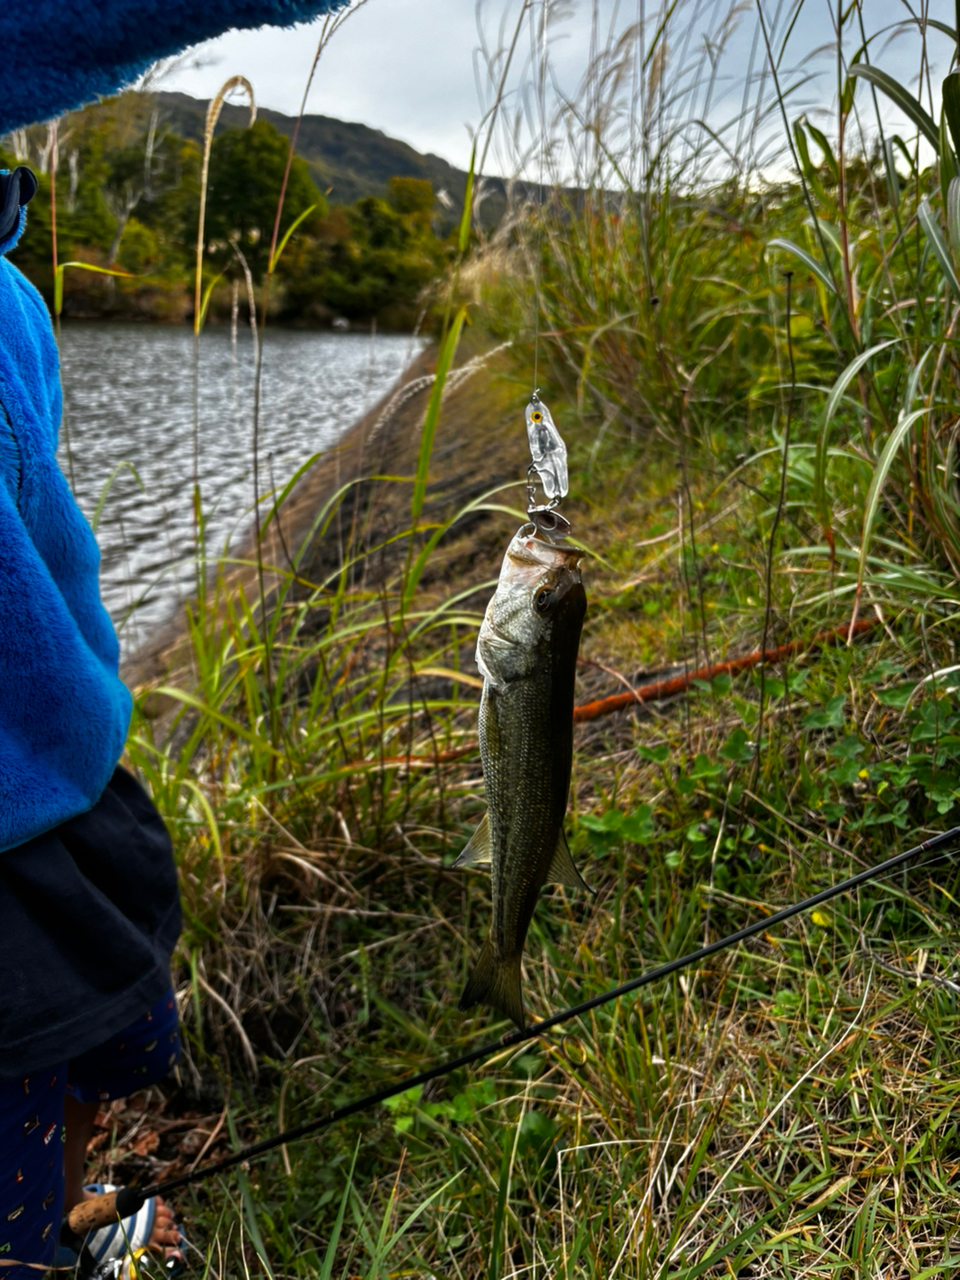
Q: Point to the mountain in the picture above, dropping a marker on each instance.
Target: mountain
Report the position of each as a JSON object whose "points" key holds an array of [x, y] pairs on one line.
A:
{"points": [[349, 161]]}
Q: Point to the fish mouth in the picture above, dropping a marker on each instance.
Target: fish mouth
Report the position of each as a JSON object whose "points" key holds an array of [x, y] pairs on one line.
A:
{"points": [[530, 553]]}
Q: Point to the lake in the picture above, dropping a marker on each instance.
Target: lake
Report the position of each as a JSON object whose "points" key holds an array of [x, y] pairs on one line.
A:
{"points": [[128, 392]]}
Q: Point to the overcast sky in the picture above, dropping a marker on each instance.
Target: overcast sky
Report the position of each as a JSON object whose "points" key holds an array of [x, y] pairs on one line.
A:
{"points": [[407, 67]]}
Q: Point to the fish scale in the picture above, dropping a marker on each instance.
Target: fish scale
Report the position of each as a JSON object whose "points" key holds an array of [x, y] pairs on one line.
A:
{"points": [[527, 827]]}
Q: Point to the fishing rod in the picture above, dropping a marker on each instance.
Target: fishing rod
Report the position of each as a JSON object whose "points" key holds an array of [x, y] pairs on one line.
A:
{"points": [[549, 465], [91, 1214]]}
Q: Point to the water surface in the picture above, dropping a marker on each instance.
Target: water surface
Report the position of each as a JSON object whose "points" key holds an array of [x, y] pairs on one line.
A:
{"points": [[130, 425]]}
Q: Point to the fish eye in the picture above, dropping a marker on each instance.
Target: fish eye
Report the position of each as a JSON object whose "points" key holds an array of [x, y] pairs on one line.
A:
{"points": [[536, 417], [543, 598]]}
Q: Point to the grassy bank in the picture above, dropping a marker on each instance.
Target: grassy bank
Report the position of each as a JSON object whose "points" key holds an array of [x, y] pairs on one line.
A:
{"points": [[327, 941], [758, 385]]}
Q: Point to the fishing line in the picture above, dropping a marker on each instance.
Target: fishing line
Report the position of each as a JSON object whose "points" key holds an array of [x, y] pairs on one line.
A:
{"points": [[92, 1213], [542, 111]]}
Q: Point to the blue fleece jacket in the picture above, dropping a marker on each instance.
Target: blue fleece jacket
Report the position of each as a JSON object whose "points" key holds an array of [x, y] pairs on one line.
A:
{"points": [[59, 54], [64, 712]]}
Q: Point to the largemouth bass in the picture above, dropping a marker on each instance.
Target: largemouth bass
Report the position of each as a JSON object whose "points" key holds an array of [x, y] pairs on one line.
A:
{"points": [[527, 653]]}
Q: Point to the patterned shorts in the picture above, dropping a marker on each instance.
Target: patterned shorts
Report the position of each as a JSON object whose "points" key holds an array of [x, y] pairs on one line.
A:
{"points": [[32, 1129]]}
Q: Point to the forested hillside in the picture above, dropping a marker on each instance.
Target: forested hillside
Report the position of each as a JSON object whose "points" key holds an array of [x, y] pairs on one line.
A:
{"points": [[348, 160], [124, 177]]}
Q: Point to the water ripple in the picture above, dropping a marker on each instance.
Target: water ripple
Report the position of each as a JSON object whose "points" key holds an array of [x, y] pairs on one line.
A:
{"points": [[129, 404]]}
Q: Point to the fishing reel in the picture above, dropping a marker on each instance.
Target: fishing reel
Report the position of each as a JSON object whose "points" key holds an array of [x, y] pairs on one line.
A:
{"points": [[140, 1264], [134, 1264]]}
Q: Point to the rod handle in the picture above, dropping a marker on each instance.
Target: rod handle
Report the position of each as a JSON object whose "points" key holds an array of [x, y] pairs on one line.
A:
{"points": [[88, 1215]]}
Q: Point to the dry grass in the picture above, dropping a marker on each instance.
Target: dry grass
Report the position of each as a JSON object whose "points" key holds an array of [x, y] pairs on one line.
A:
{"points": [[784, 1110], [787, 1109]]}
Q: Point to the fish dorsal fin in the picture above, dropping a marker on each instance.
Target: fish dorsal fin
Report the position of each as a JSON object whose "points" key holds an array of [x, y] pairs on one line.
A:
{"points": [[562, 870], [477, 851]]}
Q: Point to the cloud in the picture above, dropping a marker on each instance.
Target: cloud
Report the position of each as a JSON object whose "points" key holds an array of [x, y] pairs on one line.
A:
{"points": [[403, 66], [407, 66]]}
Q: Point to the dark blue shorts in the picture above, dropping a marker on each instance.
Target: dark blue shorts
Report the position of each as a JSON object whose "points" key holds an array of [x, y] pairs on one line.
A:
{"points": [[32, 1128]]}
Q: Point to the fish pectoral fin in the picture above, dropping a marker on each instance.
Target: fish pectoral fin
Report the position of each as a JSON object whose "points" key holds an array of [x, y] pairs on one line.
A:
{"points": [[562, 870], [477, 851], [491, 645]]}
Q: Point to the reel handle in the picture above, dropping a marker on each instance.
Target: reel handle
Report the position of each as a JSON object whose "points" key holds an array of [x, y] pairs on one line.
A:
{"points": [[88, 1215]]}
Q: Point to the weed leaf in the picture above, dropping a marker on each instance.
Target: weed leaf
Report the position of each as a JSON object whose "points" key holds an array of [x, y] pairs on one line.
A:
{"points": [[837, 392], [880, 474], [809, 262], [903, 98], [928, 220]]}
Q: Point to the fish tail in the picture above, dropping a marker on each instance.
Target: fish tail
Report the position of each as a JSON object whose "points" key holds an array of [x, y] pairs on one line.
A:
{"points": [[495, 982]]}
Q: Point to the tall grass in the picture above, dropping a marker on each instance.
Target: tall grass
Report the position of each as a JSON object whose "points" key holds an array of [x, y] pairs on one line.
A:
{"points": [[788, 1109]]}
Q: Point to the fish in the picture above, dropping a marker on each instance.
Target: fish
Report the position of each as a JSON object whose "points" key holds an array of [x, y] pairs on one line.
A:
{"points": [[527, 654]]}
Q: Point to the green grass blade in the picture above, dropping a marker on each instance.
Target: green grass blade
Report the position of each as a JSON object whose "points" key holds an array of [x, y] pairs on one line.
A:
{"points": [[942, 27], [408, 1222], [191, 700], [289, 232], [837, 392], [820, 138], [928, 220], [444, 363], [807, 165], [951, 109], [213, 827], [330, 1256], [467, 220], [946, 1267], [498, 1234], [903, 98], [948, 161], [778, 242], [740, 1242], [105, 491], [81, 266], [881, 472], [839, 388], [953, 215], [205, 304], [249, 1203]]}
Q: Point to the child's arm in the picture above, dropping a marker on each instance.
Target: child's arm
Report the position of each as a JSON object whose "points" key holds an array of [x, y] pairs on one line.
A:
{"points": [[64, 712]]}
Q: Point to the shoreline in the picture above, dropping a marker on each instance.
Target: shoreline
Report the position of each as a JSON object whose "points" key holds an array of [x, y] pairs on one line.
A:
{"points": [[479, 403]]}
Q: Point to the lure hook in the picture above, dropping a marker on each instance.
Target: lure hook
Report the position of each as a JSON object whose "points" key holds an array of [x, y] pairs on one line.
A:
{"points": [[549, 521]]}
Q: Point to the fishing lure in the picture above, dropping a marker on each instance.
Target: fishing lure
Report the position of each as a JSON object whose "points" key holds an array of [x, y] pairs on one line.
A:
{"points": [[548, 454]]}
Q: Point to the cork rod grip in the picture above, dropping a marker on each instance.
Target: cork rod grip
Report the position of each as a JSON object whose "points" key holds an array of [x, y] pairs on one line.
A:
{"points": [[88, 1215]]}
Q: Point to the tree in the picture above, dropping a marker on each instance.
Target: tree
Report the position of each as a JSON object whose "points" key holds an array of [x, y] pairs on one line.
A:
{"points": [[414, 198], [246, 176], [371, 259]]}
